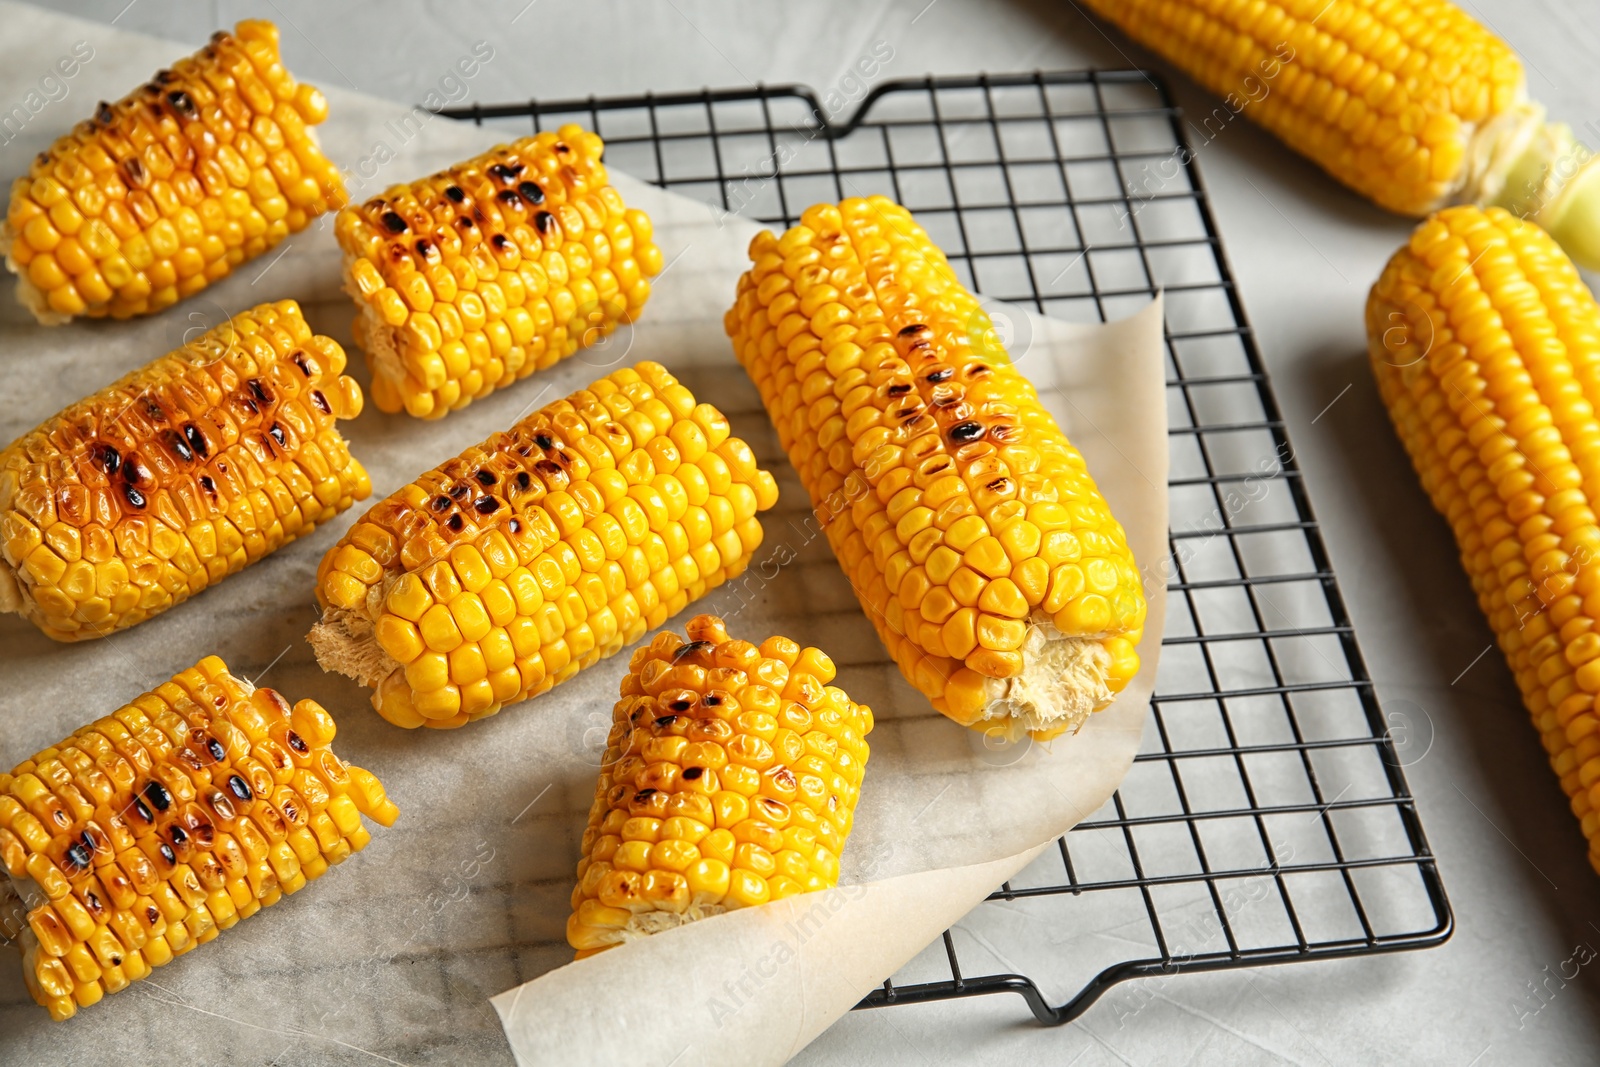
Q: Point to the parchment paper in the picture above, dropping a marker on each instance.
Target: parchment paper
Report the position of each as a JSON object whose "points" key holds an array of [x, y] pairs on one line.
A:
{"points": [[393, 957]]}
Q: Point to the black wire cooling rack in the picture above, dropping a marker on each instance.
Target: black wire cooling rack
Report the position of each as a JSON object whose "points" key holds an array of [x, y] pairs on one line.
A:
{"points": [[1266, 818]]}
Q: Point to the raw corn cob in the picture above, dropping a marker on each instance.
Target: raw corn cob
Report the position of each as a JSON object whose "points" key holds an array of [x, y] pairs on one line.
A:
{"points": [[972, 533], [1415, 105], [510, 568], [177, 475], [474, 277], [1486, 347], [148, 832], [169, 189], [730, 779]]}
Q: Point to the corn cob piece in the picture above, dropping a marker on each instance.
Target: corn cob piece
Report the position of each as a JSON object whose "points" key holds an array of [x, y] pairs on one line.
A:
{"points": [[177, 475], [505, 571], [169, 189], [1416, 106], [148, 832], [472, 278], [972, 533], [1483, 340], [730, 779]]}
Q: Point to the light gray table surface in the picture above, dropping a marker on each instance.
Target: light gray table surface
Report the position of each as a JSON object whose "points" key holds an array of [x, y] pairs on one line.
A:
{"points": [[1304, 252]]}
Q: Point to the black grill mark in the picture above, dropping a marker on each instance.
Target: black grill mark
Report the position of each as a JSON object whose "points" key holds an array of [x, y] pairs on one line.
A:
{"points": [[197, 440], [962, 432], [157, 795], [531, 193], [393, 222], [454, 193], [105, 458], [485, 505]]}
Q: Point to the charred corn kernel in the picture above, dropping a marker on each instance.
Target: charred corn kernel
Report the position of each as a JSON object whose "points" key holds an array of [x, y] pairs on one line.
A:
{"points": [[178, 475], [1482, 337], [936, 473], [476, 276], [157, 865], [171, 187], [506, 570], [1416, 106], [694, 716]]}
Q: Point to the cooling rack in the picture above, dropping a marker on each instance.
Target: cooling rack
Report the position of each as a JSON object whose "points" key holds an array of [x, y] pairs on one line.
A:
{"points": [[1266, 818]]}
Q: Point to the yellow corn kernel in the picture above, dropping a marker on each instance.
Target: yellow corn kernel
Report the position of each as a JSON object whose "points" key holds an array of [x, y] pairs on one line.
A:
{"points": [[651, 860], [132, 237], [132, 889], [180, 474], [965, 518], [531, 559]]}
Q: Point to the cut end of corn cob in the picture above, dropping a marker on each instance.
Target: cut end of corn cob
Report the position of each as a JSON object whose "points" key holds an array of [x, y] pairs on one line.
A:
{"points": [[1482, 337], [508, 569], [972, 532], [169, 189], [479, 275], [150, 831], [730, 779], [178, 475]]}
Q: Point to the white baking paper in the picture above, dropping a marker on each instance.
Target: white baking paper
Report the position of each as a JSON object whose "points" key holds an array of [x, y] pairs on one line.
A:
{"points": [[394, 956]]}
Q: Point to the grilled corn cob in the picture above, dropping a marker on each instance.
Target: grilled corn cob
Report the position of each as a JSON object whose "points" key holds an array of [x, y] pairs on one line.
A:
{"points": [[474, 277], [176, 476], [1483, 340], [1416, 106], [730, 779], [972, 533], [169, 189], [508, 569], [147, 832]]}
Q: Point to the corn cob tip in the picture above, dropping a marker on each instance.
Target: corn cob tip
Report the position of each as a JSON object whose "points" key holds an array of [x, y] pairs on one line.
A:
{"points": [[177, 475], [506, 570], [472, 278], [970, 528], [156, 196], [730, 779], [152, 830]]}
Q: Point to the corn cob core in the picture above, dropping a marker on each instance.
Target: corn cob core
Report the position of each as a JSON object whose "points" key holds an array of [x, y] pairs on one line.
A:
{"points": [[967, 523], [1414, 105], [730, 779], [176, 476], [508, 569], [149, 831], [166, 191], [1486, 347], [474, 277]]}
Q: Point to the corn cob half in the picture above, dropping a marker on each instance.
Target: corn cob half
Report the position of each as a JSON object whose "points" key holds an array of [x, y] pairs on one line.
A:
{"points": [[169, 189], [176, 476], [1486, 346], [730, 779], [968, 525], [148, 832], [474, 277], [1415, 105], [508, 569]]}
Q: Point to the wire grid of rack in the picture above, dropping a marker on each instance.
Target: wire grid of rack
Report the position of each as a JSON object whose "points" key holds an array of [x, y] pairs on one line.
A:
{"points": [[1266, 818]]}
